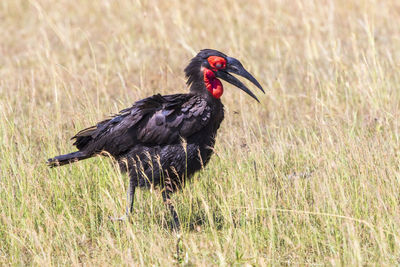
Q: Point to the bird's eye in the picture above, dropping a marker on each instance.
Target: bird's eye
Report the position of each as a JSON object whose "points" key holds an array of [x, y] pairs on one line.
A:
{"points": [[217, 62]]}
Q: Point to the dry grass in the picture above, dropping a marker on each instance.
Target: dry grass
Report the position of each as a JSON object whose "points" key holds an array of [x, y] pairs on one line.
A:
{"points": [[309, 176]]}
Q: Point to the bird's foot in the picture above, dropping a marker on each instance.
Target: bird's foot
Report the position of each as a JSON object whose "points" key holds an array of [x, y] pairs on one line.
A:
{"points": [[180, 251], [119, 219]]}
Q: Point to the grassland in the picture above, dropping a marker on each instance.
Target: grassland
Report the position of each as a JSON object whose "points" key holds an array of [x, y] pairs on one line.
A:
{"points": [[310, 176]]}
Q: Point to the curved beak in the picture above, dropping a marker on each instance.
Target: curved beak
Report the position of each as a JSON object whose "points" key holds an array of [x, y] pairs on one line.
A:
{"points": [[233, 65]]}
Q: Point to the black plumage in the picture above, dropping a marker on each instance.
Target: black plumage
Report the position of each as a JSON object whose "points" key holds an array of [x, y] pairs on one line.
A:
{"points": [[164, 140]]}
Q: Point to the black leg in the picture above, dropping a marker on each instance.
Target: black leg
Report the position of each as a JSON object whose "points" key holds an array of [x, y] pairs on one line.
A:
{"points": [[167, 200], [130, 195]]}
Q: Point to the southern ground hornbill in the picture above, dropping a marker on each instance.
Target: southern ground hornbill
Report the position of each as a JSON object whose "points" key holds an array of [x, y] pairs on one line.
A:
{"points": [[163, 140]]}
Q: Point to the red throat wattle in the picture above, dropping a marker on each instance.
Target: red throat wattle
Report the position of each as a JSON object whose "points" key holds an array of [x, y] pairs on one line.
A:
{"points": [[213, 85]]}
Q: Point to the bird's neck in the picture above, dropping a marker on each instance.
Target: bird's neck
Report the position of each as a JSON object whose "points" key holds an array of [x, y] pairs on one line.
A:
{"points": [[205, 83], [202, 81]]}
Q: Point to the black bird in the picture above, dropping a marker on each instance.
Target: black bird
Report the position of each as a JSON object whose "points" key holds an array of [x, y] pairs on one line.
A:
{"points": [[164, 140]]}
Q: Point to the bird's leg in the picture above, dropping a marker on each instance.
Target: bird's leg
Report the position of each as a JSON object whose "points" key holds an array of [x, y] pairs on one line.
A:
{"points": [[130, 195], [167, 201]]}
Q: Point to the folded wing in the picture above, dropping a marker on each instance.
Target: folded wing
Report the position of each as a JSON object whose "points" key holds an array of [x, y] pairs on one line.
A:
{"points": [[155, 120]]}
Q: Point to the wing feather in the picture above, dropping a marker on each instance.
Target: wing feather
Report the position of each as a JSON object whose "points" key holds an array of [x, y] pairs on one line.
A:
{"points": [[155, 120]]}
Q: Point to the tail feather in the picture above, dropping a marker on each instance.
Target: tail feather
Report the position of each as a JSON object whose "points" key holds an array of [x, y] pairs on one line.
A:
{"points": [[67, 159]]}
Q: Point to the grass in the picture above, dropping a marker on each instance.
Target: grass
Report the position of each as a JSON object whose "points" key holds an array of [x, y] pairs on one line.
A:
{"points": [[310, 176]]}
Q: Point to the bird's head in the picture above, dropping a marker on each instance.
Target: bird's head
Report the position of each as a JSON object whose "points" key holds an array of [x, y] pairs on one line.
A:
{"points": [[208, 65]]}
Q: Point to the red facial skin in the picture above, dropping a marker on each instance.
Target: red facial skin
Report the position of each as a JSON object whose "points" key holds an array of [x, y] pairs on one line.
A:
{"points": [[217, 63], [213, 85]]}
